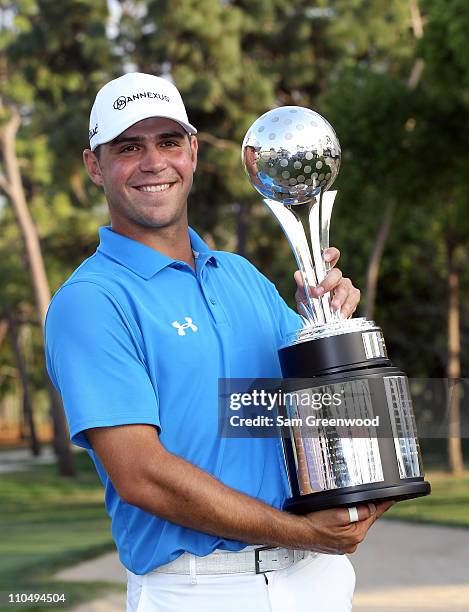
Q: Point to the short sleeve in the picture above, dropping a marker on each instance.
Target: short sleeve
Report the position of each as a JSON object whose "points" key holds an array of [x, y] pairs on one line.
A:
{"points": [[95, 362]]}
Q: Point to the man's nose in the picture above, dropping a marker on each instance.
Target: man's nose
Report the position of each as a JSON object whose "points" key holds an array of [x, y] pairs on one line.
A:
{"points": [[152, 160]]}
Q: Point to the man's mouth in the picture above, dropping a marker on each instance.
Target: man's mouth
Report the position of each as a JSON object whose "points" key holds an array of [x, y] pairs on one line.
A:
{"points": [[153, 188]]}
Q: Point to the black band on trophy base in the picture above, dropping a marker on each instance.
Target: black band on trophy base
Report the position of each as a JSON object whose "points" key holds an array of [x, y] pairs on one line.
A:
{"points": [[351, 496], [331, 354]]}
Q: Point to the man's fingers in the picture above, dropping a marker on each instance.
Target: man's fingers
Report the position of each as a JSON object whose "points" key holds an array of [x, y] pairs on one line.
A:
{"points": [[331, 255], [298, 279], [382, 507], [364, 511], [344, 296], [341, 292], [349, 304], [331, 280], [379, 508]]}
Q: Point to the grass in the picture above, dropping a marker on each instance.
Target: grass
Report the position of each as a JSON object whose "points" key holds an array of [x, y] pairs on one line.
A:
{"points": [[48, 522], [448, 503]]}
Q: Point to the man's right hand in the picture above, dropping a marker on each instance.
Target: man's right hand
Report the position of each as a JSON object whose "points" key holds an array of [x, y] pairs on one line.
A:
{"points": [[333, 533]]}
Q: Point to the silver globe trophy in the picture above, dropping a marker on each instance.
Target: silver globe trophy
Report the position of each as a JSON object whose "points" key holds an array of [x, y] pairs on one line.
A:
{"points": [[292, 156]]}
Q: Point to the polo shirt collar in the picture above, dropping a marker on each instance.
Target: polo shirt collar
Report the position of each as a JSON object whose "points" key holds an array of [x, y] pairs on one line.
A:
{"points": [[142, 259]]}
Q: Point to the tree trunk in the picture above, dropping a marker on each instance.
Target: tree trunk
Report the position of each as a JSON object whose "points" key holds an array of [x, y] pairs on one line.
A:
{"points": [[12, 185], [27, 400], [455, 456], [417, 28], [3, 330], [416, 18], [241, 229], [61, 443], [375, 260]]}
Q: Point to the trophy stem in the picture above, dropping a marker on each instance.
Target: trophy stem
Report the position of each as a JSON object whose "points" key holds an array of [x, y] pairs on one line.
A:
{"points": [[319, 224], [296, 237]]}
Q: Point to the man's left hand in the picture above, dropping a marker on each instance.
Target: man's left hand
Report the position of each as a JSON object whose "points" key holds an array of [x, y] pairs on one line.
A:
{"points": [[344, 296]]}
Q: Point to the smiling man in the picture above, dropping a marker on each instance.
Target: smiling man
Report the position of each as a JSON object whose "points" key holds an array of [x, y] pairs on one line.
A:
{"points": [[136, 341]]}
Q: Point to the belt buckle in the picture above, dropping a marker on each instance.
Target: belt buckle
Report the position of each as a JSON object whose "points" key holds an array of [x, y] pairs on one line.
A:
{"points": [[257, 561]]}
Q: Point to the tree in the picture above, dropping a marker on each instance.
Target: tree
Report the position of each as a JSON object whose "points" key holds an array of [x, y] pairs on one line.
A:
{"points": [[51, 60], [12, 185], [443, 113]]}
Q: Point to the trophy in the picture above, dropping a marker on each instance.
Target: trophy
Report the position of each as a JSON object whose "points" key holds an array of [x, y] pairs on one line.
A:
{"points": [[292, 156]]}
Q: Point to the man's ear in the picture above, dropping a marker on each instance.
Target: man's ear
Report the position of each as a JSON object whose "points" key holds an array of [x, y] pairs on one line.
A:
{"points": [[194, 149], [92, 167]]}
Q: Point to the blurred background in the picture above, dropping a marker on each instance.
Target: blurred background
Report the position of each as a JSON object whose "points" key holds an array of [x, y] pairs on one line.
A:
{"points": [[391, 76]]}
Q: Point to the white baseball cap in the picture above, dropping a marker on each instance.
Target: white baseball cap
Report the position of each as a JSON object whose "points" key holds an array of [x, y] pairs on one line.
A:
{"points": [[131, 98]]}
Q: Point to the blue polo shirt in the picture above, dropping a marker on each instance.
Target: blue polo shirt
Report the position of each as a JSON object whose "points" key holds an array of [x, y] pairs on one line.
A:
{"points": [[134, 336]]}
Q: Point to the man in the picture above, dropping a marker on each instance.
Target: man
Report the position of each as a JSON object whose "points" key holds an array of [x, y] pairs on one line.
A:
{"points": [[137, 339]]}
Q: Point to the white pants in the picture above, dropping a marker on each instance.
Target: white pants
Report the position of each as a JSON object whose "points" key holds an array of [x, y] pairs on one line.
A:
{"points": [[321, 583]]}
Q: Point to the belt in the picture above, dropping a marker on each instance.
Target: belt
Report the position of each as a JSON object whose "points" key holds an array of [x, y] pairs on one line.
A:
{"points": [[257, 561]]}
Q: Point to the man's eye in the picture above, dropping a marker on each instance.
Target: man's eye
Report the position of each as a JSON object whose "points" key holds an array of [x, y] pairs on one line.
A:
{"points": [[169, 143], [129, 148]]}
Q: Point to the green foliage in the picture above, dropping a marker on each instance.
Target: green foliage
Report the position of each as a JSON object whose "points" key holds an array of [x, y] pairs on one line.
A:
{"points": [[444, 49], [233, 60]]}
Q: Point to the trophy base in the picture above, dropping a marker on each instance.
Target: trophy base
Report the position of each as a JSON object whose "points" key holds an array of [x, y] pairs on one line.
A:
{"points": [[324, 500]]}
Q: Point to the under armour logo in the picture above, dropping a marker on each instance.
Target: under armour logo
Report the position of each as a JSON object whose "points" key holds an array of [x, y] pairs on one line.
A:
{"points": [[181, 327]]}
